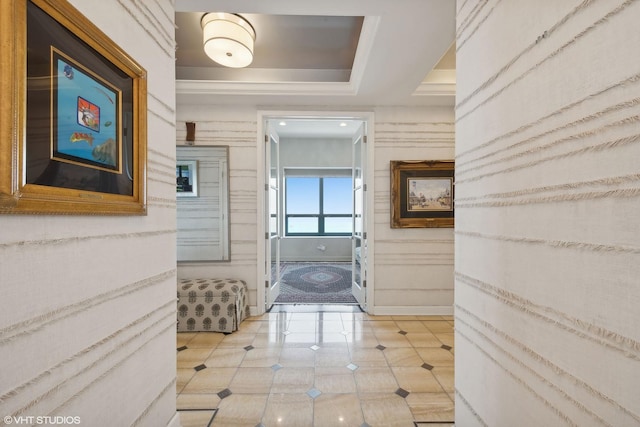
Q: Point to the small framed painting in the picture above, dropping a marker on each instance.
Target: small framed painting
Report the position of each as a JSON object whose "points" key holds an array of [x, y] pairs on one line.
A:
{"points": [[187, 178], [422, 194]]}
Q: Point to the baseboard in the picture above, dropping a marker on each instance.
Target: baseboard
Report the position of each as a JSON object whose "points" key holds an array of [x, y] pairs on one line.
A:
{"points": [[410, 310], [175, 421]]}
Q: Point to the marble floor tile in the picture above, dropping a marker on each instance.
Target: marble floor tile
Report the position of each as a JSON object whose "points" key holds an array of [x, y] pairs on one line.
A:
{"points": [[225, 357], [183, 376], [445, 377], [183, 338], [269, 340], [423, 340], [192, 357], [293, 380], [241, 410], [288, 410], [196, 418], [336, 410], [300, 339], [197, 401], [237, 340], [375, 380], [335, 380], [394, 340], [302, 326], [416, 380], [252, 381], [431, 406], [364, 340], [211, 380], [331, 339], [384, 326], [206, 340], [261, 357], [445, 338], [368, 357], [438, 326], [332, 356], [297, 357], [436, 356], [382, 409], [412, 326], [402, 357], [330, 326]]}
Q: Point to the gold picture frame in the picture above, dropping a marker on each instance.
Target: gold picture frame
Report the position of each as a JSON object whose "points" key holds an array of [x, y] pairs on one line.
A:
{"points": [[73, 110], [422, 194]]}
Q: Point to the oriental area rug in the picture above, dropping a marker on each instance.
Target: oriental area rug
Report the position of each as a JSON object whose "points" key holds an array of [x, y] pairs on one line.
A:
{"points": [[315, 283]]}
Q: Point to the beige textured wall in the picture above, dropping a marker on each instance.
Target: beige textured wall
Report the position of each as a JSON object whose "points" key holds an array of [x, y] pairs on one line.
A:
{"points": [[414, 268], [87, 326], [235, 127], [547, 182]]}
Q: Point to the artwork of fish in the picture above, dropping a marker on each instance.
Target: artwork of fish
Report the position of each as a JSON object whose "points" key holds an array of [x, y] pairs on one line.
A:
{"points": [[81, 136], [106, 152], [68, 72]]}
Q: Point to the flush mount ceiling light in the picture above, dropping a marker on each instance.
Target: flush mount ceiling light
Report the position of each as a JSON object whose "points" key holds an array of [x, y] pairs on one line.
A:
{"points": [[228, 39]]}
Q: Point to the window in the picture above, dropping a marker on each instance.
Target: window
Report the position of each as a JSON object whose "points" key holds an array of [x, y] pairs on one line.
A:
{"points": [[318, 206]]}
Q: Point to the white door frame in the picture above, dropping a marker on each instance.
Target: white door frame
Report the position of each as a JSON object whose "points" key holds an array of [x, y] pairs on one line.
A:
{"points": [[263, 116]]}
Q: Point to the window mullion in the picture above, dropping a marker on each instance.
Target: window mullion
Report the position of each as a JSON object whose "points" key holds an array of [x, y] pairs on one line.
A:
{"points": [[321, 212]]}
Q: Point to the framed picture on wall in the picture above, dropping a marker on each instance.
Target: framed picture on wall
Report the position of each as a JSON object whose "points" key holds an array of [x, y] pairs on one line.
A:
{"points": [[187, 178], [75, 105], [422, 194]]}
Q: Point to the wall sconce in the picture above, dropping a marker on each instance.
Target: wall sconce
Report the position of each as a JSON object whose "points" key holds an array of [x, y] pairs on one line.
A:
{"points": [[191, 132]]}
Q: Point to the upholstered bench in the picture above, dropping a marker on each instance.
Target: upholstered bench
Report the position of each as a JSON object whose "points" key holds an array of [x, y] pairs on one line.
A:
{"points": [[217, 305]]}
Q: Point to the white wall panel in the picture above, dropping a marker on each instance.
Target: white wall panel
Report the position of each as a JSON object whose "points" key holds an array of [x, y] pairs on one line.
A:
{"points": [[547, 190]]}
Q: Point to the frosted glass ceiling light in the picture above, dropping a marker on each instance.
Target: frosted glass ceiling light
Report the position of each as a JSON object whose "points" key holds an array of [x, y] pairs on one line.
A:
{"points": [[228, 39]]}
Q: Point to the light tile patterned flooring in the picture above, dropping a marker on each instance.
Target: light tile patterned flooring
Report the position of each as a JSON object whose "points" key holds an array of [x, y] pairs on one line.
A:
{"points": [[318, 369]]}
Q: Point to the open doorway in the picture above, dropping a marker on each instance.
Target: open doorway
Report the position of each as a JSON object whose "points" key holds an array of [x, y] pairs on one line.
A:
{"points": [[315, 223]]}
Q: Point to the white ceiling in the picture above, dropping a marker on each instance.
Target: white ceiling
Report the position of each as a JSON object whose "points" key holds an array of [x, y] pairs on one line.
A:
{"points": [[325, 53]]}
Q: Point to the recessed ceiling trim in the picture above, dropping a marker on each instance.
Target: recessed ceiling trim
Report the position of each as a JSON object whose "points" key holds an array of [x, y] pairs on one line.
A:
{"points": [[438, 83], [365, 47], [435, 89], [203, 87]]}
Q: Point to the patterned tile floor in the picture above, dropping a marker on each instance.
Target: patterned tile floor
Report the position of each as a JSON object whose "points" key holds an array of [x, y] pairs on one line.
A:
{"points": [[303, 367]]}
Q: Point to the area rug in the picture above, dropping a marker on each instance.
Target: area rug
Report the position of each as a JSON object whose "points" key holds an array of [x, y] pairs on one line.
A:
{"points": [[315, 283]]}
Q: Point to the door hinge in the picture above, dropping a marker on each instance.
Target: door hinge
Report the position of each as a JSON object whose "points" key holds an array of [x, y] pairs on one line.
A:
{"points": [[266, 187], [364, 187], [364, 283], [266, 236], [364, 139], [364, 235], [266, 138], [266, 284]]}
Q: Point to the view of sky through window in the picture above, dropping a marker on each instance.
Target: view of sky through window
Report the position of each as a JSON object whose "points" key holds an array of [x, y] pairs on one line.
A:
{"points": [[319, 199]]}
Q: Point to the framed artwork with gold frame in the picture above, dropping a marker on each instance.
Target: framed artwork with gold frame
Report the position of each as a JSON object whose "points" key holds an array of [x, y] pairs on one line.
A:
{"points": [[422, 194], [72, 114]]}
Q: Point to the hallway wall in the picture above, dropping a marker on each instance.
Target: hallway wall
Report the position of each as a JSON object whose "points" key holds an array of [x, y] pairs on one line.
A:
{"points": [[414, 267], [87, 326], [547, 183]]}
